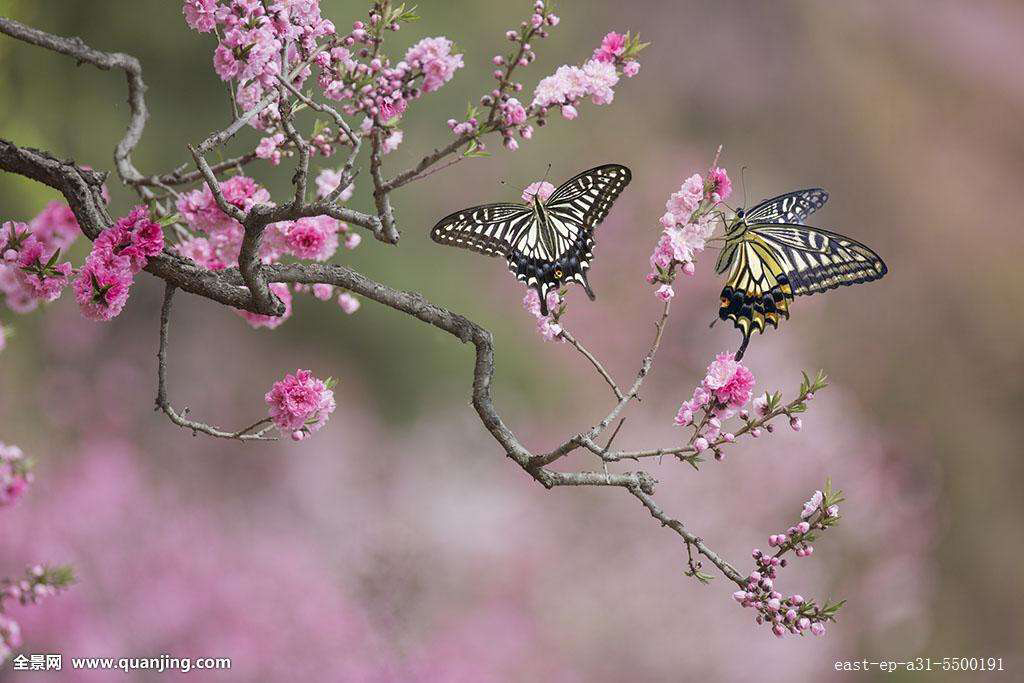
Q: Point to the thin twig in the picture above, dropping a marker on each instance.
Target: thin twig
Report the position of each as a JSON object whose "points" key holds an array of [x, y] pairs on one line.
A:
{"points": [[565, 334], [164, 404]]}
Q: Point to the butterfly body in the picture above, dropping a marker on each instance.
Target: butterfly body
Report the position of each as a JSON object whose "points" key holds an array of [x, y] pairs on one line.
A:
{"points": [[772, 257], [546, 243]]}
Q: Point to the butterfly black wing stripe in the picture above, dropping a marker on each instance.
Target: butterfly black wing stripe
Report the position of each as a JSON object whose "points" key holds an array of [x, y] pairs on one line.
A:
{"points": [[489, 229], [792, 207], [817, 260], [587, 197]]}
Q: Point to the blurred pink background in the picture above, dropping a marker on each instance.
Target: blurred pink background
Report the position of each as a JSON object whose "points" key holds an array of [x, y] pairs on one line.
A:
{"points": [[399, 543]]}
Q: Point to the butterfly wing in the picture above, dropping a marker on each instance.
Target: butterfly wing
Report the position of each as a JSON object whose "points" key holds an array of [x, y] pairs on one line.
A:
{"points": [[817, 260], [774, 262], [542, 253], [792, 207], [758, 290], [489, 229], [575, 209], [587, 197]]}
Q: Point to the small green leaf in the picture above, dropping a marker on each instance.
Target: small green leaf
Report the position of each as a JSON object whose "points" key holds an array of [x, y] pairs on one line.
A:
{"points": [[168, 220]]}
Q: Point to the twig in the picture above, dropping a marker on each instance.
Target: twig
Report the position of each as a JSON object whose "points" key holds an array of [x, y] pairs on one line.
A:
{"points": [[162, 403], [565, 334]]}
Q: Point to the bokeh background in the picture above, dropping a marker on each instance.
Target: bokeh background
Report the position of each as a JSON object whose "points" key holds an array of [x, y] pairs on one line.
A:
{"points": [[399, 543]]}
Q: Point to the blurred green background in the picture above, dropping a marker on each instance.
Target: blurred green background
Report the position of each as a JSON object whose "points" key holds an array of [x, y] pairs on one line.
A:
{"points": [[908, 113]]}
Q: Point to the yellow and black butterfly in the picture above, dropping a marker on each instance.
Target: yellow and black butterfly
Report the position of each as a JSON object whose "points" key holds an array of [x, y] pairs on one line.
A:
{"points": [[546, 243], [772, 256]]}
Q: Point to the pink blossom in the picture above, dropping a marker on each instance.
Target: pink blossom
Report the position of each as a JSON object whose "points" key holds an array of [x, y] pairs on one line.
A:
{"points": [[569, 112], [812, 505], [300, 402], [352, 240], [328, 180], [729, 380], [102, 287], [392, 110], [514, 112], [601, 78], [433, 55], [631, 68], [686, 200], [45, 281], [15, 475], [721, 185], [200, 14], [56, 226], [348, 303], [542, 189], [313, 238], [548, 328], [612, 45], [391, 142], [665, 292], [135, 238], [257, 320], [322, 291], [269, 148]]}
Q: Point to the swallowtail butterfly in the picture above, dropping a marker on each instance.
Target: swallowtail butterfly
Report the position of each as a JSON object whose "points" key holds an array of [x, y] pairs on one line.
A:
{"points": [[546, 243]]}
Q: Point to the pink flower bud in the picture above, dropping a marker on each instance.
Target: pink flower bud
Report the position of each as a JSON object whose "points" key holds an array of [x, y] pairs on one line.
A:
{"points": [[795, 423], [298, 435], [729, 436], [778, 630], [804, 623], [553, 19], [803, 527], [755, 576], [498, 60], [10, 255], [569, 112], [774, 604], [791, 615], [739, 596], [689, 268], [797, 599], [701, 444], [818, 628]]}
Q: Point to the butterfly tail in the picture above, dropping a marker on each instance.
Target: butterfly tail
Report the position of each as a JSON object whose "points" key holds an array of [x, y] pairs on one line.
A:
{"points": [[586, 286], [743, 346], [542, 294]]}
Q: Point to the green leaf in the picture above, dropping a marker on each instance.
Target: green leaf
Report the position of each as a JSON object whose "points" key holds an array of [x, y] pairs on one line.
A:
{"points": [[318, 127], [168, 220]]}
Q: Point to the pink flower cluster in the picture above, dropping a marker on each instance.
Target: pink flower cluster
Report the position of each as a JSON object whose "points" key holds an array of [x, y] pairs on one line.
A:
{"points": [[118, 254], [792, 614], [547, 325], [596, 79], [726, 388], [15, 474], [300, 404], [39, 582], [687, 224], [29, 269], [219, 237], [252, 35]]}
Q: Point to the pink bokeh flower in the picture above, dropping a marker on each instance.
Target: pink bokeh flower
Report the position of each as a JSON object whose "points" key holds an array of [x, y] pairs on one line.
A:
{"points": [[328, 180], [348, 303], [55, 226], [15, 475], [300, 402]]}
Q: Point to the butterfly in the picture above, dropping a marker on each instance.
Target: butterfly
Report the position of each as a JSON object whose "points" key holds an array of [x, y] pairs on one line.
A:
{"points": [[547, 243], [771, 256]]}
